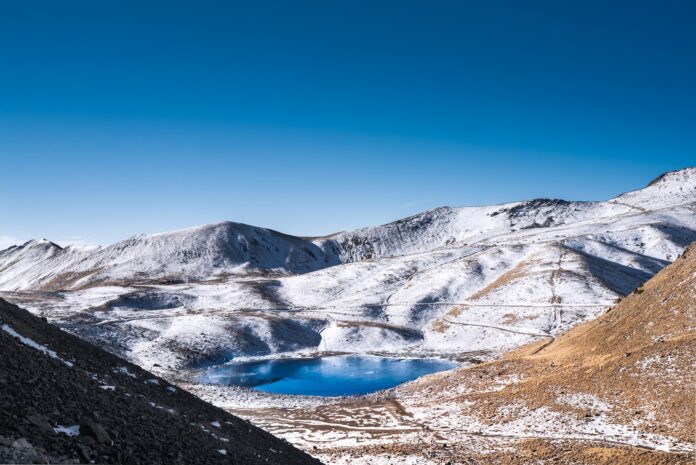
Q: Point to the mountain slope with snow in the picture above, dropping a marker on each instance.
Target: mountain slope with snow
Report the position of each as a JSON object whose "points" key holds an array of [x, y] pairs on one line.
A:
{"points": [[191, 254], [447, 226], [451, 281], [616, 390]]}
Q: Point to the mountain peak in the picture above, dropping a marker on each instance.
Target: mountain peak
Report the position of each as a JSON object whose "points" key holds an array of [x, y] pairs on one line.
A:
{"points": [[45, 243], [669, 189], [682, 175]]}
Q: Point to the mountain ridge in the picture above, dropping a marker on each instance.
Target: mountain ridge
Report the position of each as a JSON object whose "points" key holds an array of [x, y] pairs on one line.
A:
{"points": [[231, 248]]}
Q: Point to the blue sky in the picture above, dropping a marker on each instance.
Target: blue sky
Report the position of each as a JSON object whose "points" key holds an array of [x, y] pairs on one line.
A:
{"points": [[310, 117]]}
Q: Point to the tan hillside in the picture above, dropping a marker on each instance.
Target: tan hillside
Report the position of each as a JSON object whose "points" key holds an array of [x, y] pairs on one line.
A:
{"points": [[642, 352], [626, 378]]}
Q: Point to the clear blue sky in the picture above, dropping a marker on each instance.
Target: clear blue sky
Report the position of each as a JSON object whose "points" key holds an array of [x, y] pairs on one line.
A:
{"points": [[309, 117]]}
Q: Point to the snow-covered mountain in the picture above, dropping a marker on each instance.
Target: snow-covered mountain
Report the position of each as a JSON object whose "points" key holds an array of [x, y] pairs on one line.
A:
{"points": [[447, 226], [198, 253], [449, 281]]}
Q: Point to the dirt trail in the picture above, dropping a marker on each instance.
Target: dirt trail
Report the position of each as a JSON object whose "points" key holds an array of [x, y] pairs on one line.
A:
{"points": [[499, 328]]}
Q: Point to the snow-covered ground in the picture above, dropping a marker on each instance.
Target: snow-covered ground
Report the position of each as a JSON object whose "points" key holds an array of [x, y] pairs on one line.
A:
{"points": [[451, 281]]}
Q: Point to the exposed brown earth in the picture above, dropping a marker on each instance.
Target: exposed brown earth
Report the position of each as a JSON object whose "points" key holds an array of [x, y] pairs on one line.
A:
{"points": [[638, 358], [515, 273], [640, 353]]}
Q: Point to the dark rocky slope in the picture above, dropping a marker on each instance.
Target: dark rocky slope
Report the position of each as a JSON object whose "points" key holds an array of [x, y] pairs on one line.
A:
{"points": [[125, 414]]}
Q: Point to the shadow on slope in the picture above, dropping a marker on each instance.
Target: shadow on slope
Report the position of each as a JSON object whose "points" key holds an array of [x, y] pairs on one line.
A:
{"points": [[619, 278]]}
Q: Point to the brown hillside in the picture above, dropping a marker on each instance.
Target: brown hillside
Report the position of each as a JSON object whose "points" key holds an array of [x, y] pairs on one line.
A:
{"points": [[631, 370], [641, 352]]}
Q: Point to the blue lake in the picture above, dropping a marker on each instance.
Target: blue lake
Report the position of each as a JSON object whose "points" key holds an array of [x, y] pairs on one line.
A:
{"points": [[340, 375]]}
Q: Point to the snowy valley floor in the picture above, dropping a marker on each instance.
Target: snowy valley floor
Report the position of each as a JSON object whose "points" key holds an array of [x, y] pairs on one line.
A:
{"points": [[397, 427]]}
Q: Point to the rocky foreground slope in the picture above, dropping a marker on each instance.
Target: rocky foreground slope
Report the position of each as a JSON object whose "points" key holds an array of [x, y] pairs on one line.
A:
{"points": [[63, 400], [618, 390]]}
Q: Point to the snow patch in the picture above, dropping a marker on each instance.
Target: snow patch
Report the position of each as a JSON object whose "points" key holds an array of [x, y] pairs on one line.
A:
{"points": [[73, 430], [124, 371], [33, 344]]}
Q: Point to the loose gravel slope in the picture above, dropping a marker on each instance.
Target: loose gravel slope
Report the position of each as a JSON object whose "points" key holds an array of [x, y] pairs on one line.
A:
{"points": [[63, 400]]}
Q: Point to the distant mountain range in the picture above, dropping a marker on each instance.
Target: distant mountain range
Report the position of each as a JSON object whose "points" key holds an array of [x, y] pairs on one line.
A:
{"points": [[453, 281]]}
